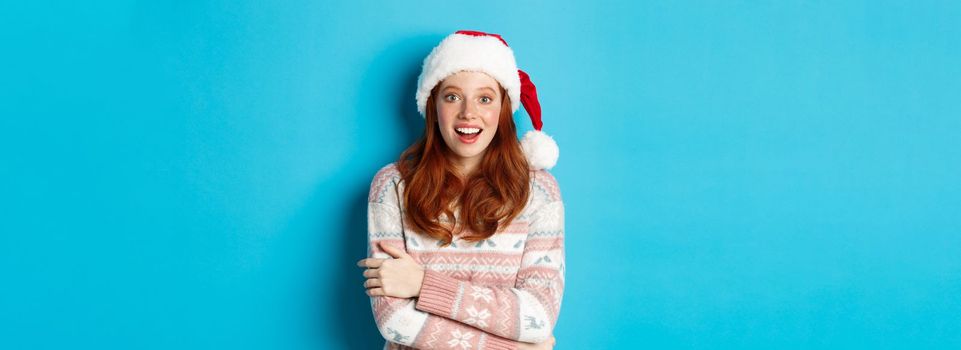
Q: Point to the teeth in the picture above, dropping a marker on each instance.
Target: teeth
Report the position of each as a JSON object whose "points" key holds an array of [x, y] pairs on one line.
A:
{"points": [[468, 130]]}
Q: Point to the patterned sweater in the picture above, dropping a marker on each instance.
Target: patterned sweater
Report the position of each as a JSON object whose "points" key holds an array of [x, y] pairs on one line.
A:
{"points": [[490, 294]]}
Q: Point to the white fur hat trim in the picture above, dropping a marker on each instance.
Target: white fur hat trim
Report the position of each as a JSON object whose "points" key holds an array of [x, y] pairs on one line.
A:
{"points": [[540, 149], [458, 52]]}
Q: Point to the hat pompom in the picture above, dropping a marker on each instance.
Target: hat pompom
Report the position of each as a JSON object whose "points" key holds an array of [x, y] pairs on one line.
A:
{"points": [[540, 149]]}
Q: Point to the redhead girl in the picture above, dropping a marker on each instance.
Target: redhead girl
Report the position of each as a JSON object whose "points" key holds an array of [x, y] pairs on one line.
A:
{"points": [[466, 228]]}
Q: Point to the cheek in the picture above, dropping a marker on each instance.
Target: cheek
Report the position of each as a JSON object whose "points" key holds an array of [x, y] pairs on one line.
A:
{"points": [[492, 124], [445, 114], [492, 117]]}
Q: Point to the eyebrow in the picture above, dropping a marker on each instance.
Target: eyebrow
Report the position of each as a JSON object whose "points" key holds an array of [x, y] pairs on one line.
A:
{"points": [[459, 89]]}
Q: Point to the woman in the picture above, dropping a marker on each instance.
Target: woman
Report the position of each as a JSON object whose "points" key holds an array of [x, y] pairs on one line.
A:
{"points": [[466, 229]]}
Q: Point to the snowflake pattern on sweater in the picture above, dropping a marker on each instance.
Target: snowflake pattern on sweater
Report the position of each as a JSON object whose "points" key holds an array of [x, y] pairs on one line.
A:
{"points": [[490, 294]]}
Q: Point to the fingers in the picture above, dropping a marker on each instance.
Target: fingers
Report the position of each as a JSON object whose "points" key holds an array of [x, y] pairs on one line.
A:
{"points": [[372, 273], [373, 282], [375, 292], [393, 251], [370, 262]]}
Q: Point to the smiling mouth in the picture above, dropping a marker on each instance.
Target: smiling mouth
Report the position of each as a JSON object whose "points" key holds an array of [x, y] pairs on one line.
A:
{"points": [[468, 131], [468, 135]]}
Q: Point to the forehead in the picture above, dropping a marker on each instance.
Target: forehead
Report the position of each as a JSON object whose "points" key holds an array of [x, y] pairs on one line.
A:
{"points": [[470, 80]]}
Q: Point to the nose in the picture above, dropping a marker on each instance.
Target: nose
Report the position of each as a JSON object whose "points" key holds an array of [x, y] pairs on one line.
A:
{"points": [[469, 110]]}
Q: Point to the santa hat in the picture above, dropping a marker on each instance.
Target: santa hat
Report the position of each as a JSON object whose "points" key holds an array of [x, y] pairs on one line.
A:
{"points": [[489, 53]]}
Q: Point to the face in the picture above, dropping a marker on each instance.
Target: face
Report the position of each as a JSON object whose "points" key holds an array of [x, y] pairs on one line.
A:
{"points": [[468, 109]]}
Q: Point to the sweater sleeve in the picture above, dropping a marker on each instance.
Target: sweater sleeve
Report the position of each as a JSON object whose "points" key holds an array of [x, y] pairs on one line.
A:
{"points": [[529, 308], [397, 319]]}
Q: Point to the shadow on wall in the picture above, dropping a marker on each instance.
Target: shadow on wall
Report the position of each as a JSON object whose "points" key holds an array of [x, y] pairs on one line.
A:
{"points": [[393, 76]]}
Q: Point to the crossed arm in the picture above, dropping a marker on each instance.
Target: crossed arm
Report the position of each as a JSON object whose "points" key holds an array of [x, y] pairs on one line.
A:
{"points": [[435, 311]]}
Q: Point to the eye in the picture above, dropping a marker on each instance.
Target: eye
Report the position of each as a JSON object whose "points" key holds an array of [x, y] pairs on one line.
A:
{"points": [[486, 99], [450, 98]]}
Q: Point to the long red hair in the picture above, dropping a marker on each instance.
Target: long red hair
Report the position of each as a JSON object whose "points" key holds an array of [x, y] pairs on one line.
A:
{"points": [[487, 200]]}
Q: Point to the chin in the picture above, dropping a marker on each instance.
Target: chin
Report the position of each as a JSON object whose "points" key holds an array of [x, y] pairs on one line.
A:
{"points": [[467, 153]]}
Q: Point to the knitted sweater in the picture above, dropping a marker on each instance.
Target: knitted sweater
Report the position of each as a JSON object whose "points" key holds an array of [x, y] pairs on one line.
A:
{"points": [[489, 294]]}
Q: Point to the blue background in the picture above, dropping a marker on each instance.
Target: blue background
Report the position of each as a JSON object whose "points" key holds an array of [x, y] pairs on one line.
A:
{"points": [[193, 174]]}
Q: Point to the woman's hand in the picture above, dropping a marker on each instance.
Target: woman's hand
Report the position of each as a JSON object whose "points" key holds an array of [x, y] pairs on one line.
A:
{"points": [[400, 277], [546, 345]]}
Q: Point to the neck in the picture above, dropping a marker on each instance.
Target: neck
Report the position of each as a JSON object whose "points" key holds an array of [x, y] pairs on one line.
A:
{"points": [[467, 166]]}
